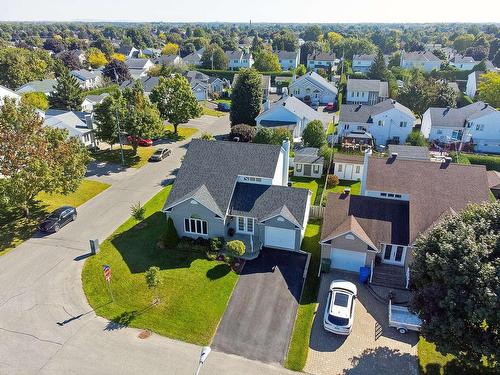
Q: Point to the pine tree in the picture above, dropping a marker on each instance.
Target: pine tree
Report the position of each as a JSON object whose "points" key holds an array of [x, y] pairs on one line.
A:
{"points": [[68, 94], [246, 98], [378, 69]]}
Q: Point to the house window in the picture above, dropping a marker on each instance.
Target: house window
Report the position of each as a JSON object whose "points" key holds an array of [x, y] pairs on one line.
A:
{"points": [[402, 124], [298, 167], [315, 168], [380, 123], [195, 226], [340, 167], [397, 195], [357, 94], [480, 127], [296, 91], [363, 94], [383, 194], [245, 224], [439, 131], [346, 126], [358, 168]]}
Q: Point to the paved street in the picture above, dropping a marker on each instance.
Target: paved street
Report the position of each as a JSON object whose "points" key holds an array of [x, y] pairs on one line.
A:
{"points": [[46, 324]]}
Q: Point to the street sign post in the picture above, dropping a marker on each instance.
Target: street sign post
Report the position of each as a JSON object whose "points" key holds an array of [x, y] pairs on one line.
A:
{"points": [[94, 246], [107, 276]]}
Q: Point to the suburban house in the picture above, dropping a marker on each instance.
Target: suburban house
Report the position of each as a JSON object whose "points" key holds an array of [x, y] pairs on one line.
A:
{"points": [[203, 84], [239, 59], [387, 121], [147, 82], [473, 80], [463, 62], [348, 166], [129, 52], [168, 60], [151, 52], [322, 60], [239, 191], [477, 124], [138, 67], [91, 101], [289, 113], [362, 63], [409, 152], [288, 60], [47, 86], [494, 183], [399, 200], [313, 88], [308, 163], [424, 60], [78, 124], [366, 91], [87, 79], [265, 84], [8, 93], [194, 59]]}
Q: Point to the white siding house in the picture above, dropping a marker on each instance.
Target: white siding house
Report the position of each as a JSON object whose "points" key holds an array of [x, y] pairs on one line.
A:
{"points": [[348, 167], [313, 88], [463, 62], [239, 60], [362, 63], [288, 60], [473, 83], [425, 61], [366, 91], [139, 68], [5, 92]]}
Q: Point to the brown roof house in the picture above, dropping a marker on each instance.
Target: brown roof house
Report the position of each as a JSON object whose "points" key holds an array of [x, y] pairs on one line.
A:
{"points": [[494, 183], [400, 198]]}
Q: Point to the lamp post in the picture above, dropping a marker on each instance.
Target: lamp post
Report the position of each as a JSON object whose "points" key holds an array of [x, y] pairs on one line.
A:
{"points": [[205, 351]]}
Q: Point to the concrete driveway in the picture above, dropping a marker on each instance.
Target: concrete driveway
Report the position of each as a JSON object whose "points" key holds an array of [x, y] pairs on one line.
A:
{"points": [[372, 347], [259, 319]]}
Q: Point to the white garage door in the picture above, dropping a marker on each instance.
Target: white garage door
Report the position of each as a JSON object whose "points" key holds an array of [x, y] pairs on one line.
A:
{"points": [[347, 260], [280, 238]]}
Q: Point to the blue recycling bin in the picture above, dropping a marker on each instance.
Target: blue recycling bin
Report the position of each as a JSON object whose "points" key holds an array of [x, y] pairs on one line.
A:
{"points": [[364, 274]]}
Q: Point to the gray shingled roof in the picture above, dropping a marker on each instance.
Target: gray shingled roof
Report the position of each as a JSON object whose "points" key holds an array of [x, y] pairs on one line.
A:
{"points": [[363, 113], [459, 59], [84, 74], [321, 56], [372, 85], [148, 83], [297, 107], [95, 99], [410, 152], [316, 79], [264, 201], [136, 63], [45, 86], [308, 155], [420, 56], [457, 117], [364, 57], [287, 55], [216, 165], [234, 55]]}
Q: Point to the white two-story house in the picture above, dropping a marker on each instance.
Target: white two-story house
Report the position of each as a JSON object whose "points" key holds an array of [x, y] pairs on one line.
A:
{"points": [[362, 63], [288, 60], [366, 91], [463, 62], [322, 60], [424, 60], [88, 79], [313, 88], [239, 59], [138, 68], [477, 123], [387, 121]]}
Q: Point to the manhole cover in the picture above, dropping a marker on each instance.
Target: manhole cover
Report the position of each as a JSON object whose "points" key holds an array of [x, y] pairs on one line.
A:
{"points": [[144, 334]]}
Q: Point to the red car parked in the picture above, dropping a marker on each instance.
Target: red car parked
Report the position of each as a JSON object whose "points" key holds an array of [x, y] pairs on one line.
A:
{"points": [[330, 107], [140, 141]]}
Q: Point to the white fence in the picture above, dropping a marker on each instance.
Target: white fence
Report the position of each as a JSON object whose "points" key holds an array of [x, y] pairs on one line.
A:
{"points": [[316, 212]]}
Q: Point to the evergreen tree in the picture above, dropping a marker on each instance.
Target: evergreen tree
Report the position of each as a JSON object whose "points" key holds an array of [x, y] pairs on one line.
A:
{"points": [[378, 69], [246, 98], [68, 94]]}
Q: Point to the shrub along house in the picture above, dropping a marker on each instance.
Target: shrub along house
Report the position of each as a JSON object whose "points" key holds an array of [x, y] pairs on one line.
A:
{"points": [[400, 199], [239, 191]]}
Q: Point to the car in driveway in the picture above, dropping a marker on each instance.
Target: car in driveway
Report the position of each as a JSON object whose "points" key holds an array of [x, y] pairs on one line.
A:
{"points": [[58, 219], [330, 107], [340, 307], [224, 107], [160, 154], [143, 142]]}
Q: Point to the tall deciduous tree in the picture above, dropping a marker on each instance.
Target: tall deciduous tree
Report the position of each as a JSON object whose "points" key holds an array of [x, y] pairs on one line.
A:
{"points": [[106, 117], [489, 88], [68, 94], [36, 100], [36, 158], [314, 134], [170, 49], [214, 57], [117, 71], [19, 66], [96, 58], [141, 119], [70, 60], [175, 100], [456, 273], [266, 61], [246, 98]]}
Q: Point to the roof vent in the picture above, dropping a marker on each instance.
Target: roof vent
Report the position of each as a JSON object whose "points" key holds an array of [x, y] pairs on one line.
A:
{"points": [[347, 191], [447, 160], [485, 105], [394, 155]]}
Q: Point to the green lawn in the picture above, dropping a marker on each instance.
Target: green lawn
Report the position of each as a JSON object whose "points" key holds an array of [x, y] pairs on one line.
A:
{"points": [[331, 128], [131, 160], [431, 362], [316, 186], [227, 101], [213, 112], [194, 291], [183, 132], [355, 187], [15, 230], [299, 344]]}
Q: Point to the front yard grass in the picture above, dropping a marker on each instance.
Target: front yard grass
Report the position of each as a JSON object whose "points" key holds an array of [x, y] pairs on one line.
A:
{"points": [[131, 160], [16, 229], [193, 295], [316, 186], [213, 112], [183, 132], [299, 343], [355, 187]]}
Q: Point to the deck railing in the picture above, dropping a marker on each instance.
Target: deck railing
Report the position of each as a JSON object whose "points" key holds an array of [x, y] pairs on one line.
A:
{"points": [[371, 270], [407, 277]]}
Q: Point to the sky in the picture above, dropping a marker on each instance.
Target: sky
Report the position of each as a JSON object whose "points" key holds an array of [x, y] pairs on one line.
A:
{"points": [[270, 11]]}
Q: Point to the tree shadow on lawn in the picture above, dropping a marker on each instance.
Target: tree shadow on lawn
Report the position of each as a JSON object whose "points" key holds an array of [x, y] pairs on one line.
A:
{"points": [[382, 360], [455, 367], [219, 271], [139, 249]]}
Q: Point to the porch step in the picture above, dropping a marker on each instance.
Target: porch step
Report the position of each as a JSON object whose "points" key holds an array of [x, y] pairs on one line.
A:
{"points": [[389, 276]]}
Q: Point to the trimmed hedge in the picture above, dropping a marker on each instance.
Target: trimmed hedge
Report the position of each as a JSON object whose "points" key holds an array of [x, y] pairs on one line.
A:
{"points": [[492, 162], [229, 74]]}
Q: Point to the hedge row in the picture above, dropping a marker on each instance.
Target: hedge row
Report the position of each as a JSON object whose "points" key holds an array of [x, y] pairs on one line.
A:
{"points": [[492, 162], [229, 74]]}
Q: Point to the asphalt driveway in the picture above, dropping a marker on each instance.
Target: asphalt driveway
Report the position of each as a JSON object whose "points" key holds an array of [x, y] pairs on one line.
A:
{"points": [[372, 347], [259, 319]]}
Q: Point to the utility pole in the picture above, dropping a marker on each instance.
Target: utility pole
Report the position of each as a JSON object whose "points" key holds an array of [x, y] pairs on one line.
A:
{"points": [[118, 126]]}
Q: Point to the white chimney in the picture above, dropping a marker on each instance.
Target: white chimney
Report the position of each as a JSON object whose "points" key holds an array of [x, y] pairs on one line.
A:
{"points": [[286, 161], [368, 153]]}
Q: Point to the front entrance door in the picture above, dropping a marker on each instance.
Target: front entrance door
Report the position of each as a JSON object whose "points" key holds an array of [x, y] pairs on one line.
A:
{"points": [[348, 172], [394, 254], [307, 170]]}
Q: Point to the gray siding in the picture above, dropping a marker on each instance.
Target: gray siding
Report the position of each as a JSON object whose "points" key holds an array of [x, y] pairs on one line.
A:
{"points": [[187, 210], [273, 222], [351, 245]]}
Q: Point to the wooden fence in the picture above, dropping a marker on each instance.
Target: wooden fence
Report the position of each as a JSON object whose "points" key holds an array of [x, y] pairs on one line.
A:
{"points": [[316, 212]]}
